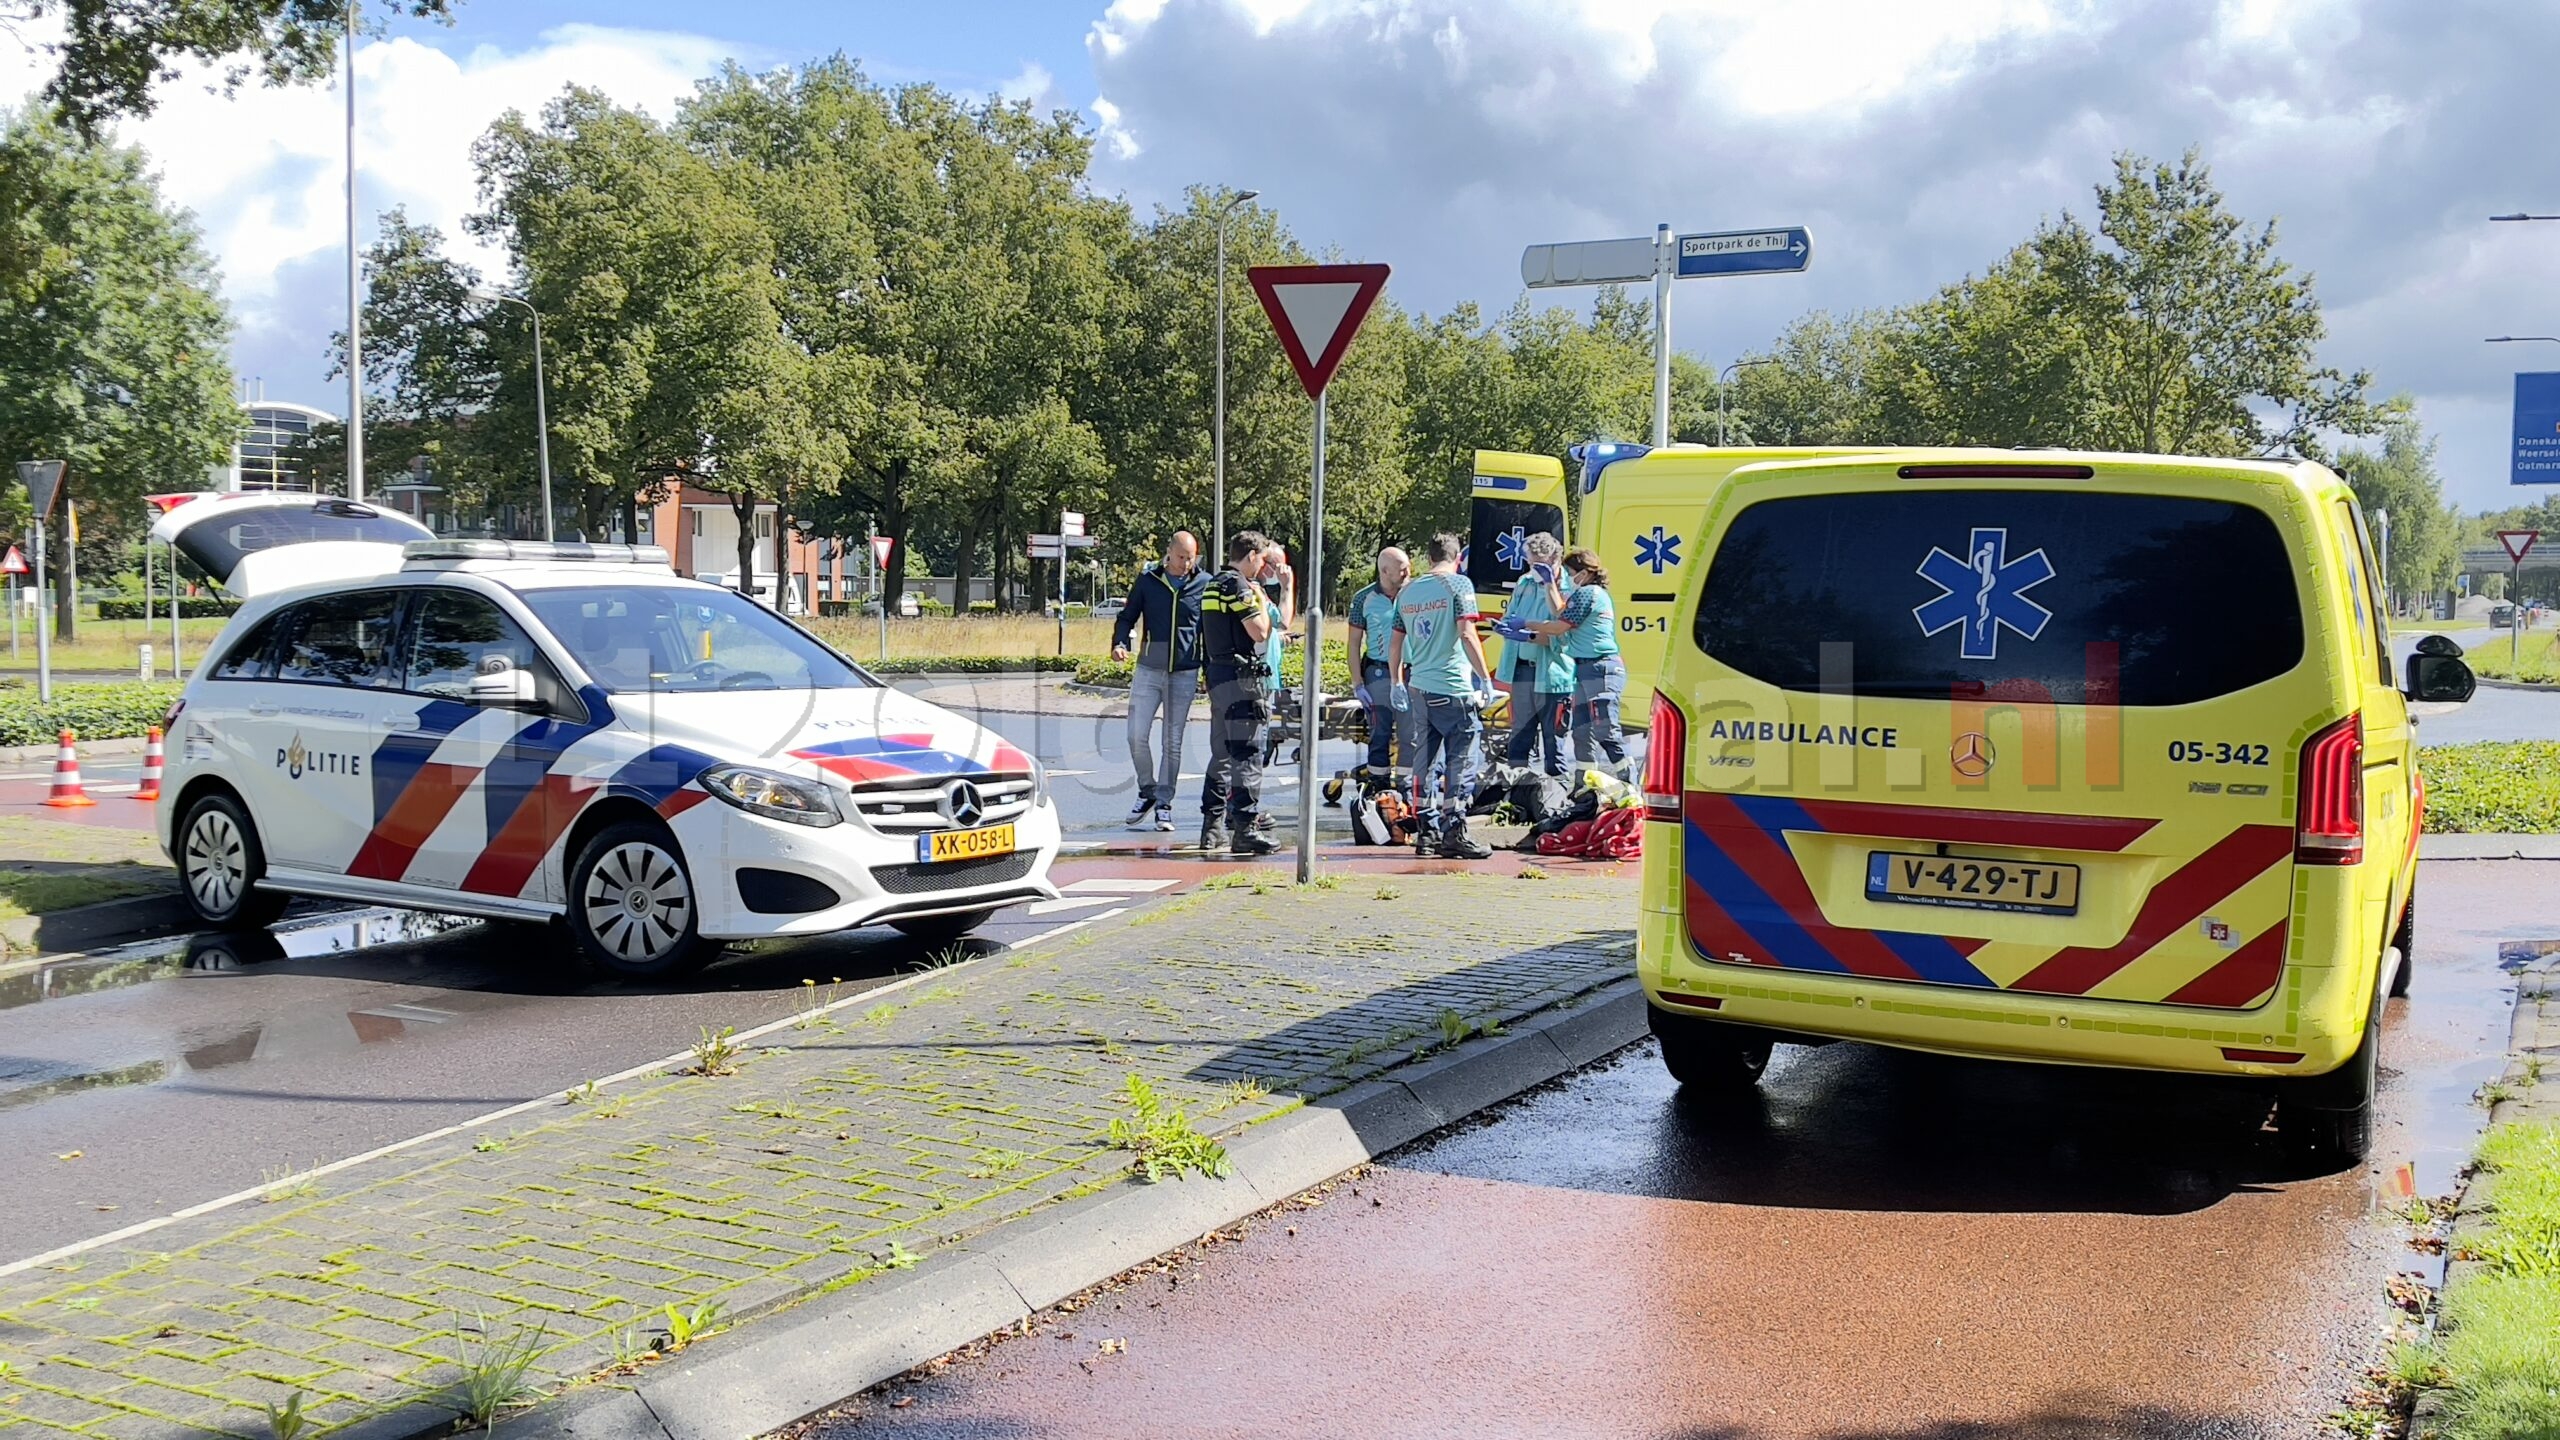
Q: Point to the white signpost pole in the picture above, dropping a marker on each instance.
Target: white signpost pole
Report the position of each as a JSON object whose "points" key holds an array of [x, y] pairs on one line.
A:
{"points": [[1664, 263], [1310, 713], [44, 633]]}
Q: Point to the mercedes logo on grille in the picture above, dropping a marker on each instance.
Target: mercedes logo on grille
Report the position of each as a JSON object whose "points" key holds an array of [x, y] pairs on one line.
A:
{"points": [[963, 804], [1971, 755]]}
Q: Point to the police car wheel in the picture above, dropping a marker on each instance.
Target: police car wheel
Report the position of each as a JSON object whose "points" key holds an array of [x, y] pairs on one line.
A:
{"points": [[220, 863], [1708, 1057], [942, 929], [632, 907]]}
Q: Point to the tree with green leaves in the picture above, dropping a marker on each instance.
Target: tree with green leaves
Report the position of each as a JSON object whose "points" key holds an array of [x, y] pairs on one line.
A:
{"points": [[113, 51], [114, 340], [2399, 479]]}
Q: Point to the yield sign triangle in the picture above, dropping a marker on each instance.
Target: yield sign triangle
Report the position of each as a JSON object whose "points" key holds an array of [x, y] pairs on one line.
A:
{"points": [[2518, 542], [1317, 309]]}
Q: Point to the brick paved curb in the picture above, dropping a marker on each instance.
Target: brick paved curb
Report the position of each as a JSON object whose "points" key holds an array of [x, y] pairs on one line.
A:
{"points": [[810, 1360], [2534, 1032], [27, 754], [969, 1112]]}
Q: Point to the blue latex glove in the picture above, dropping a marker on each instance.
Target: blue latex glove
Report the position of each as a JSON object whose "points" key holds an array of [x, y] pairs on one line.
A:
{"points": [[1543, 574], [1510, 629], [1360, 692], [1397, 699]]}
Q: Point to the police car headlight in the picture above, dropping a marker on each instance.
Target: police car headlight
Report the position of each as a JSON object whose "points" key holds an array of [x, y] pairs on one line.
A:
{"points": [[773, 795]]}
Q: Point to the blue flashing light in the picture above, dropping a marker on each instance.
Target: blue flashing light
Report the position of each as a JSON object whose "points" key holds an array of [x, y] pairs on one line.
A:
{"points": [[1598, 455]]}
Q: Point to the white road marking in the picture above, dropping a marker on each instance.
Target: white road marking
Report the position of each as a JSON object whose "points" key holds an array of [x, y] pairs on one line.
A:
{"points": [[1119, 887], [1077, 902], [555, 1098]]}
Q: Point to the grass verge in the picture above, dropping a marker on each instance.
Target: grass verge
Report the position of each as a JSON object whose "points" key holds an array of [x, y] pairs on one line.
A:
{"points": [[2492, 787], [2490, 658], [2501, 1347]]}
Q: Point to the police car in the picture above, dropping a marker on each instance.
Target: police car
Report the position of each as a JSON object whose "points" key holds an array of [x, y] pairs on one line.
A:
{"points": [[567, 733]]}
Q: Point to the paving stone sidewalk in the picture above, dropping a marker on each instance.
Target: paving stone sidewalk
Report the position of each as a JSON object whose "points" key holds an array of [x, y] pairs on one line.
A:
{"points": [[860, 1138]]}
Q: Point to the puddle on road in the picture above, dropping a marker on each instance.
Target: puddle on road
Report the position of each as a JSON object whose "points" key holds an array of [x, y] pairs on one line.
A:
{"points": [[2517, 954], [216, 953]]}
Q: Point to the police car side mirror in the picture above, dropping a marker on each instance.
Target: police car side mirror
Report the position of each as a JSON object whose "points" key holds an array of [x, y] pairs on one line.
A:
{"points": [[506, 690], [2433, 677]]}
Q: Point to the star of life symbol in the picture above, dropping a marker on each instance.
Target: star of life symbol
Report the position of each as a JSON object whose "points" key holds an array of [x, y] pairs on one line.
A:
{"points": [[1984, 590], [1512, 548], [1657, 551]]}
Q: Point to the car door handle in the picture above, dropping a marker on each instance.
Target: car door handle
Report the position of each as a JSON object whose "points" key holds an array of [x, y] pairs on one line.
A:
{"points": [[399, 724], [264, 710]]}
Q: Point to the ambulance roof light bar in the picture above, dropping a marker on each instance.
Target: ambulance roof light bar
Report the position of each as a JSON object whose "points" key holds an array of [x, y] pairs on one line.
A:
{"points": [[561, 551]]}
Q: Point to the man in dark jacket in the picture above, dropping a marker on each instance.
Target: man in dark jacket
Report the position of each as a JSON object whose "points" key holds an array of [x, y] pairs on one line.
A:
{"points": [[1166, 600]]}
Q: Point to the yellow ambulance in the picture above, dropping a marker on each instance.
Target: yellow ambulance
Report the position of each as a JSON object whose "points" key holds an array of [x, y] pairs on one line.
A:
{"points": [[1639, 512], [2084, 758]]}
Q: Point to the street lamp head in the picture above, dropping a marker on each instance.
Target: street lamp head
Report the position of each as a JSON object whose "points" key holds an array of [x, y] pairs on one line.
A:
{"points": [[1235, 200], [2521, 339]]}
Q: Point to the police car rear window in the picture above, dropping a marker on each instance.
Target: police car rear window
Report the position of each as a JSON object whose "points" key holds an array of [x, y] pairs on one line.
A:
{"points": [[2085, 597]]}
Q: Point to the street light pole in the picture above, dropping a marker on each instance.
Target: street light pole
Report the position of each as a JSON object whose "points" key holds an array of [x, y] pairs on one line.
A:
{"points": [[1725, 375], [355, 297], [1218, 554], [541, 405]]}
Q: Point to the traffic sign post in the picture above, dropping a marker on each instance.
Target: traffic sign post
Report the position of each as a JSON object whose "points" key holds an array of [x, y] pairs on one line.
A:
{"points": [[43, 479], [13, 565], [1315, 310], [882, 546], [1772, 250], [1070, 537], [2518, 544]]}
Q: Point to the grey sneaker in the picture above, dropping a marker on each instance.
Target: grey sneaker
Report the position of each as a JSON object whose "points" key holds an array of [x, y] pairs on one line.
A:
{"points": [[1138, 813], [1164, 820]]}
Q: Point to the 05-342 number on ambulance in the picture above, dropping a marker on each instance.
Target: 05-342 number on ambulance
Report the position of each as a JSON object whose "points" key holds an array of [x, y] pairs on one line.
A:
{"points": [[2197, 752]]}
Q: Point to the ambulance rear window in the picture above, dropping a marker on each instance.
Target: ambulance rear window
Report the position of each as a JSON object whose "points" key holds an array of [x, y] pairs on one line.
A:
{"points": [[2093, 598]]}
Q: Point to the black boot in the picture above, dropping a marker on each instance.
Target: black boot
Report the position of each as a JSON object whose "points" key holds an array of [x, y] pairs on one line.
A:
{"points": [[1457, 844], [1213, 837], [1426, 834]]}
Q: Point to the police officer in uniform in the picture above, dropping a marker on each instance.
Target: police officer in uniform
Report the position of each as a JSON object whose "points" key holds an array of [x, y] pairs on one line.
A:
{"points": [[1235, 625]]}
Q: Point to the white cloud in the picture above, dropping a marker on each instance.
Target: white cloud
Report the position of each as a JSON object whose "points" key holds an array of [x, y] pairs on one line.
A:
{"points": [[1919, 141], [264, 170], [1033, 83]]}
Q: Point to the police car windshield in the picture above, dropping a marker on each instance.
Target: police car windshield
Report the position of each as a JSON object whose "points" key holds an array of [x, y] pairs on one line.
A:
{"points": [[641, 639]]}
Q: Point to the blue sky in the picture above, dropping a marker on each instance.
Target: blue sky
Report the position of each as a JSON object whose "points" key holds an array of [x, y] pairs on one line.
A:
{"points": [[1918, 141]]}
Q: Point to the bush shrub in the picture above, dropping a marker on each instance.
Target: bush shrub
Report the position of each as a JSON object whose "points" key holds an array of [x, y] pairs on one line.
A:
{"points": [[1336, 678], [95, 712], [2490, 787], [969, 664], [191, 607]]}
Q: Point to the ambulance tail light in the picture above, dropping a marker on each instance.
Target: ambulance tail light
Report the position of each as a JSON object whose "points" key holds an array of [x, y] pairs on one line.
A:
{"points": [[2329, 824], [1666, 760]]}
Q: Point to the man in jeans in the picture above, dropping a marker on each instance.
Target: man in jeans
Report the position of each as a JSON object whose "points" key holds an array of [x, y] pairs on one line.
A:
{"points": [[1235, 623], [1166, 600], [1372, 618], [1439, 657]]}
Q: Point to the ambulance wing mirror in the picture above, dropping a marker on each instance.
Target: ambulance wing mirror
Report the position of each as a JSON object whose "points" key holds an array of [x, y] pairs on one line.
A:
{"points": [[2437, 673]]}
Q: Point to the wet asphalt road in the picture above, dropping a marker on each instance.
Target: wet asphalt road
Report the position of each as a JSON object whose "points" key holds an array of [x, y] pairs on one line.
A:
{"points": [[1882, 1245]]}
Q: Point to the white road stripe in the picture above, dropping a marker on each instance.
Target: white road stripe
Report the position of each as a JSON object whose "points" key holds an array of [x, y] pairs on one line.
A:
{"points": [[1077, 902], [1119, 887], [555, 1098]]}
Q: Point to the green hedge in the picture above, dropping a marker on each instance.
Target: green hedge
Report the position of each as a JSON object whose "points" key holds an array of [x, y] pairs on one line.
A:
{"points": [[96, 712], [192, 607], [2492, 787], [1103, 670], [969, 664]]}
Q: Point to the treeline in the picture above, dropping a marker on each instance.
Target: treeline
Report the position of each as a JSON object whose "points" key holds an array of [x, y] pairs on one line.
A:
{"points": [[894, 306]]}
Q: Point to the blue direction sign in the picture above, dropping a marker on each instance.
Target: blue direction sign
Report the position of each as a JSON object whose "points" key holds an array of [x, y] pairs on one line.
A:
{"points": [[2537, 448], [1745, 252]]}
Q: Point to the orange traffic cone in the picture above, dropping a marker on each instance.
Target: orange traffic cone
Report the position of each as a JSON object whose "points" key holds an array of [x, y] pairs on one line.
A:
{"points": [[151, 758], [67, 793]]}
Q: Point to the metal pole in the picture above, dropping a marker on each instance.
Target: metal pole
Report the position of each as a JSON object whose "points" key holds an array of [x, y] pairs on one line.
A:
{"points": [[1218, 436], [355, 297], [44, 632], [146, 604], [2388, 609], [2515, 616], [13, 617], [1062, 585], [1662, 267], [1308, 716], [879, 590], [177, 656], [541, 421]]}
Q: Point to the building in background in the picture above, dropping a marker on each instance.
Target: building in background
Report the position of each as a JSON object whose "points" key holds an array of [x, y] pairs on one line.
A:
{"points": [[264, 458], [699, 529]]}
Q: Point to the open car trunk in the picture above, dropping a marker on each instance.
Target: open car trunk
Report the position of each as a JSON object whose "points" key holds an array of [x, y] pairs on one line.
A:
{"points": [[253, 543]]}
